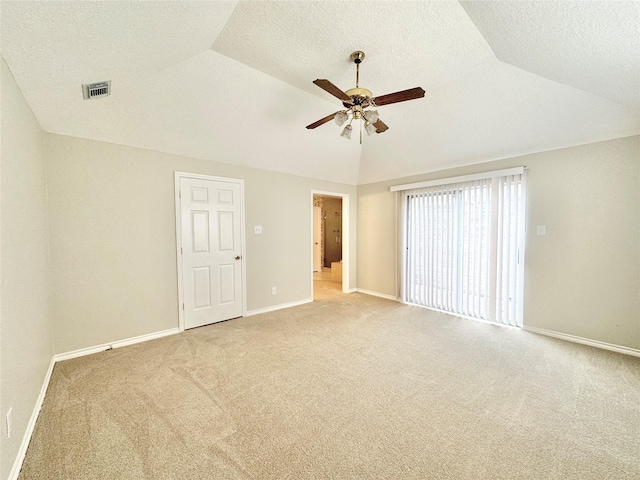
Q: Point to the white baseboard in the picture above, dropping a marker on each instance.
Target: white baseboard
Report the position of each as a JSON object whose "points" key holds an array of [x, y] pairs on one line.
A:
{"points": [[17, 464], [81, 352], [26, 438], [258, 311], [145, 338], [584, 341], [117, 344], [376, 294]]}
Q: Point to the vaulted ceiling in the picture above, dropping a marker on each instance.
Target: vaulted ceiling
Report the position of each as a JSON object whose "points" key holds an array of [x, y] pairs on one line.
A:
{"points": [[232, 81]]}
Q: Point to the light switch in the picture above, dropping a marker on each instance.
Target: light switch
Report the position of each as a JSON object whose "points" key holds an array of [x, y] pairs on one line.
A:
{"points": [[257, 229], [541, 230]]}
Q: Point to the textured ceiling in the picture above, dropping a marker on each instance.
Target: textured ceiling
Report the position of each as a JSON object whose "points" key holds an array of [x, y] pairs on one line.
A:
{"points": [[594, 46], [232, 81]]}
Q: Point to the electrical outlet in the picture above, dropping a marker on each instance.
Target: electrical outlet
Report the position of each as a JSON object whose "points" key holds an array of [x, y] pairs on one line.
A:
{"points": [[274, 290], [257, 229], [9, 422]]}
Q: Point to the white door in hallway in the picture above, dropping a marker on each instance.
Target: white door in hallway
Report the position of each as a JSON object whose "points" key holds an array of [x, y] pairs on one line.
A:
{"points": [[317, 219], [211, 250]]}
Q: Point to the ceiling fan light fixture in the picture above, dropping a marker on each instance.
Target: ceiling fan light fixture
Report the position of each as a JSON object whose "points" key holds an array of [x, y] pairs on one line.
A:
{"points": [[341, 117], [346, 133], [371, 116], [369, 127]]}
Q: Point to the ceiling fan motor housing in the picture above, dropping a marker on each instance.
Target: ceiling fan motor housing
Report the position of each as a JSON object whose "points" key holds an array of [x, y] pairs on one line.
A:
{"points": [[359, 96]]}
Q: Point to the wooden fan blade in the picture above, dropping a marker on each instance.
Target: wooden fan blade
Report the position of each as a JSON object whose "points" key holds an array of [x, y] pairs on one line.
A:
{"points": [[329, 87], [380, 126], [322, 121], [402, 96]]}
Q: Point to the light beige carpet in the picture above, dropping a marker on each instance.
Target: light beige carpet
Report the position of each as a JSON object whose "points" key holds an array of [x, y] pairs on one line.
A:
{"points": [[349, 387]]}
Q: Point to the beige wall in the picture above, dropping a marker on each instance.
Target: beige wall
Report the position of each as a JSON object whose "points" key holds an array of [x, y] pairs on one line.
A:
{"points": [[583, 277], [113, 238], [26, 342]]}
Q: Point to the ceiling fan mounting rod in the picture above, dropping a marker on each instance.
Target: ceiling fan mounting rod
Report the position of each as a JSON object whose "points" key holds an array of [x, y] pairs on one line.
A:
{"points": [[357, 57], [357, 95]]}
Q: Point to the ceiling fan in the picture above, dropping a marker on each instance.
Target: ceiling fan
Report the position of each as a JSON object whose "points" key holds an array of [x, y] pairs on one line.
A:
{"points": [[357, 99]]}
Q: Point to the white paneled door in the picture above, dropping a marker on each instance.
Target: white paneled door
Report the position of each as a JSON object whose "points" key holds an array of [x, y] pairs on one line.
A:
{"points": [[317, 232], [211, 249]]}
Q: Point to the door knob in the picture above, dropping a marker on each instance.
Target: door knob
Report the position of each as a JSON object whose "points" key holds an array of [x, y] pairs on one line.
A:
{"points": [[238, 257]]}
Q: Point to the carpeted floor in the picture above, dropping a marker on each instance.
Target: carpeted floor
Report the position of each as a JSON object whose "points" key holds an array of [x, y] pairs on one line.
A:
{"points": [[348, 387]]}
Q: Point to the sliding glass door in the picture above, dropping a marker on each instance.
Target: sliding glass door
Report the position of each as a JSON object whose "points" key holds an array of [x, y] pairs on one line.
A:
{"points": [[464, 244]]}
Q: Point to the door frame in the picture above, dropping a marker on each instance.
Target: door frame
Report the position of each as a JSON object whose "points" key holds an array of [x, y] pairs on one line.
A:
{"points": [[345, 236], [177, 177]]}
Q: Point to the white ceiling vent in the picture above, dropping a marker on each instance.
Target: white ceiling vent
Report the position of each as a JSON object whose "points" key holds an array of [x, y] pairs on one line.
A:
{"points": [[96, 90]]}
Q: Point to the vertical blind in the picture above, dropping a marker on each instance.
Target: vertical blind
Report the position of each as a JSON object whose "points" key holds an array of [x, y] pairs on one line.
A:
{"points": [[464, 245]]}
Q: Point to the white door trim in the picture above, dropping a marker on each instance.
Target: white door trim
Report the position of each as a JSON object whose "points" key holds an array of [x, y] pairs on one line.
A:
{"points": [[345, 237], [177, 177]]}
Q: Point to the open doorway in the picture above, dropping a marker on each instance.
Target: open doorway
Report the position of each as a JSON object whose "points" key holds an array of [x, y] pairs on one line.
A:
{"points": [[329, 243]]}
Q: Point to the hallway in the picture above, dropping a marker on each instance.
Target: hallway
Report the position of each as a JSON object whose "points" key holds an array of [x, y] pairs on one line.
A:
{"points": [[323, 287]]}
